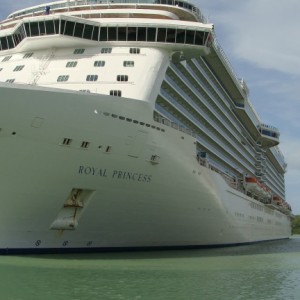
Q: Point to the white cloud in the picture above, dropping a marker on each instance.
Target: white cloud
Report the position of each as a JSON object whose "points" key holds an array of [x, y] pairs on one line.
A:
{"points": [[291, 148]]}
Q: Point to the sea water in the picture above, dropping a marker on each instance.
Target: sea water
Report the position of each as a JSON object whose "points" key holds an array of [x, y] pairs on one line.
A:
{"points": [[264, 271]]}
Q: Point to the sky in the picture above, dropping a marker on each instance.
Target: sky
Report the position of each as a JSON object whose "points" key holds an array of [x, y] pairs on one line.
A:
{"points": [[260, 38]]}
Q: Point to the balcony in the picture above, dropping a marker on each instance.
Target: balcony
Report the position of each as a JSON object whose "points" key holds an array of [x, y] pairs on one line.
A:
{"points": [[269, 135]]}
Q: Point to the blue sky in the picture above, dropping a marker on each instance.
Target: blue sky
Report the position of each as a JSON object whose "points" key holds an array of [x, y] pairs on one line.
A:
{"points": [[260, 38]]}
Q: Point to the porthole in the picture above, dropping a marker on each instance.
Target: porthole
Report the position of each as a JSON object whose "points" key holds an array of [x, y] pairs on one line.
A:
{"points": [[106, 50], [122, 78], [92, 78], [62, 78], [79, 51], [6, 58], [128, 63], [67, 141], [28, 55], [99, 63], [84, 144], [117, 93], [134, 50], [71, 64], [18, 68]]}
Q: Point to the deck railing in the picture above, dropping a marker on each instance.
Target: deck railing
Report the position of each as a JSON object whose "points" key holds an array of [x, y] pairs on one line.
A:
{"points": [[47, 8]]}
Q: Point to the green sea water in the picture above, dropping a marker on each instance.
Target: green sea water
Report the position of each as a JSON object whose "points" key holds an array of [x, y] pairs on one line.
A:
{"points": [[262, 271]]}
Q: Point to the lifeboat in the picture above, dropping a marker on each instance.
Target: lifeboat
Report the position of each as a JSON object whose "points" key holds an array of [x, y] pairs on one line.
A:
{"points": [[255, 187], [281, 203], [277, 200]]}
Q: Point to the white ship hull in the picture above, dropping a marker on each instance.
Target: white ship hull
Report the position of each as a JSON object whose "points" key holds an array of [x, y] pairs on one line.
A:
{"points": [[128, 200]]}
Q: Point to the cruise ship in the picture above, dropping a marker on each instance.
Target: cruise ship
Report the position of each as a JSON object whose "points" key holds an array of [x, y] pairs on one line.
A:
{"points": [[124, 126]]}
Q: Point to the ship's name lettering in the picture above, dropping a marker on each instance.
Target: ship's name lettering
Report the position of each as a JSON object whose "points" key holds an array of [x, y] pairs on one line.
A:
{"points": [[114, 174]]}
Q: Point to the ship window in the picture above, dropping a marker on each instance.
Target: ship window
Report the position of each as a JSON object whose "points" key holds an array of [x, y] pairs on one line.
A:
{"points": [[50, 27], [96, 34], [78, 32], [190, 36], [171, 34], [56, 27], [88, 31], [141, 33], [17, 36], [122, 78], [78, 51], [34, 29], [28, 55], [112, 33], [10, 80], [18, 68], [3, 43], [42, 28], [122, 33], [115, 93], [71, 64], [6, 58], [10, 42], [161, 34], [62, 26], [134, 50], [180, 36], [131, 34], [84, 144], [62, 78], [103, 34], [99, 63], [128, 63], [151, 34], [199, 38], [69, 28], [91, 77], [106, 50], [67, 141], [79, 28], [85, 91]]}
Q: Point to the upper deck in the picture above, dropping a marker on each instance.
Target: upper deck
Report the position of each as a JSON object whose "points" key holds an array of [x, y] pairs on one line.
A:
{"points": [[182, 10]]}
